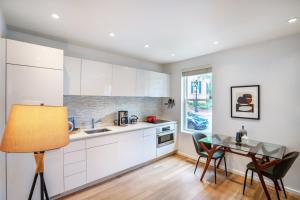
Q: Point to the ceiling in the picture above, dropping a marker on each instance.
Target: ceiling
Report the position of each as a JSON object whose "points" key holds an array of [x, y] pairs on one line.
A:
{"points": [[174, 29]]}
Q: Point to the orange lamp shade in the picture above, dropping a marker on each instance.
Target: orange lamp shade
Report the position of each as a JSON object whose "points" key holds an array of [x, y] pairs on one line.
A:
{"points": [[35, 128]]}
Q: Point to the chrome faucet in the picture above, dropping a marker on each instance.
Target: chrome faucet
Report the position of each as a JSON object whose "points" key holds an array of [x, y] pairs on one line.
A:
{"points": [[95, 122]]}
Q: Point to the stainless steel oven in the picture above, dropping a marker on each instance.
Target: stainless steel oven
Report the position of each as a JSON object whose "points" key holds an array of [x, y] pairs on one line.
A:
{"points": [[165, 135]]}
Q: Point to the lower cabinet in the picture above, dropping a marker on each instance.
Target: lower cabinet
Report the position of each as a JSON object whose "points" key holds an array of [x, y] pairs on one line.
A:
{"points": [[21, 170], [149, 144], [101, 161], [130, 149]]}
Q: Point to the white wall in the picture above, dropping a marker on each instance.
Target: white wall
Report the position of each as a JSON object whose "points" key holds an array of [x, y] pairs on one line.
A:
{"points": [[83, 52], [275, 65], [2, 106]]}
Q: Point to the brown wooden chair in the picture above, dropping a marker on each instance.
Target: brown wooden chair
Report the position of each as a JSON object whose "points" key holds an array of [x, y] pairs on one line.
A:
{"points": [[276, 172], [217, 155]]}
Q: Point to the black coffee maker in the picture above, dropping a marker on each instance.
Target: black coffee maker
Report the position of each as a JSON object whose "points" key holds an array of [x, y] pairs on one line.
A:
{"points": [[122, 118]]}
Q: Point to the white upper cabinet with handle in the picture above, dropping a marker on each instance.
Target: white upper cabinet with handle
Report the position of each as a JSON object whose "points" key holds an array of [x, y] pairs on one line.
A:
{"points": [[96, 78], [124, 81], [21, 53], [72, 75]]}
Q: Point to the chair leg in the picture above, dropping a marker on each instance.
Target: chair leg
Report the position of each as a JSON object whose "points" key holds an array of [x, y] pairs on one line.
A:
{"points": [[245, 181], [251, 176], [276, 188], [283, 188], [215, 166], [225, 165], [197, 164]]}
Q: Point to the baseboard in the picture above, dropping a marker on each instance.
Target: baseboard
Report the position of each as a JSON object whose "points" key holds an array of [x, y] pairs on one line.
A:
{"points": [[238, 172]]}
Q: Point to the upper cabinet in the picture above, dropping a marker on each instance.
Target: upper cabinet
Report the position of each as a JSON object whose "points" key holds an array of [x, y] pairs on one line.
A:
{"points": [[96, 78], [124, 81], [72, 76], [158, 84], [141, 88], [21, 53], [86, 77]]}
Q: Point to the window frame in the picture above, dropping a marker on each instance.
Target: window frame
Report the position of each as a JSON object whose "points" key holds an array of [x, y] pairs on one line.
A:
{"points": [[184, 90]]}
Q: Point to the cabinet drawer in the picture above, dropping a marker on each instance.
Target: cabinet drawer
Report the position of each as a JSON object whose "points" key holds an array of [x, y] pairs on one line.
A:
{"points": [[75, 156], [150, 131], [99, 141], [75, 146], [22, 53], [75, 181], [74, 168]]}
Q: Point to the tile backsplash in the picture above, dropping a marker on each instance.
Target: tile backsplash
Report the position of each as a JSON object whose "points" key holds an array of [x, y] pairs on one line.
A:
{"points": [[83, 108]]}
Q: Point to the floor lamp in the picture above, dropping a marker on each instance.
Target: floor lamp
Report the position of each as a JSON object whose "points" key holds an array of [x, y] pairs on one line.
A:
{"points": [[36, 129]]}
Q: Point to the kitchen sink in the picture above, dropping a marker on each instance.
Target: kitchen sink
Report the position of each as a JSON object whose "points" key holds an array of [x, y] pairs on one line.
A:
{"points": [[97, 131]]}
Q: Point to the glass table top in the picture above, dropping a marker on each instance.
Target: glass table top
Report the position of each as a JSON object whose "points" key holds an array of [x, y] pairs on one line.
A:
{"points": [[247, 145]]}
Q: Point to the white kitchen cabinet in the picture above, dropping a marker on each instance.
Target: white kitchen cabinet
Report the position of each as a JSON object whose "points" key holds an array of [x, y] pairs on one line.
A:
{"points": [[102, 161], [124, 81], [75, 180], [130, 148], [158, 84], [96, 78], [165, 88], [21, 170], [72, 75], [32, 85], [22, 53], [141, 88], [149, 144]]}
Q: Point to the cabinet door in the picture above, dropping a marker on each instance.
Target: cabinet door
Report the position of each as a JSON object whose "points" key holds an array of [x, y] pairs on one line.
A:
{"points": [[149, 144], [31, 85], [124, 81], [130, 149], [72, 75], [165, 92], [141, 83], [96, 78], [22, 53], [154, 84], [101, 161], [21, 170]]}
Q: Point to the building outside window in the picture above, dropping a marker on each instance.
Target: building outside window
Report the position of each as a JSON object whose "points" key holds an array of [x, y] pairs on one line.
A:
{"points": [[197, 101]]}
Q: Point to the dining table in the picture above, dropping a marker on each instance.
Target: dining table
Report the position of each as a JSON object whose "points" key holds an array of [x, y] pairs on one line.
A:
{"points": [[262, 154]]}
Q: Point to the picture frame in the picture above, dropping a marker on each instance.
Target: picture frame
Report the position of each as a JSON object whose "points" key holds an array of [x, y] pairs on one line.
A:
{"points": [[245, 102]]}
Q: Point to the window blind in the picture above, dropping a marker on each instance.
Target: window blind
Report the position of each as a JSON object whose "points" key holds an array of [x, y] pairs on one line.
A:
{"points": [[195, 71]]}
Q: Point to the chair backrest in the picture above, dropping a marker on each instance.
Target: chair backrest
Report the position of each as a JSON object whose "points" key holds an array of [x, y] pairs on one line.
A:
{"points": [[196, 138], [280, 169]]}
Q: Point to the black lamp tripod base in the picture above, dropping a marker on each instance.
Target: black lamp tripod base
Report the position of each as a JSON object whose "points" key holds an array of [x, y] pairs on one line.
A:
{"points": [[39, 159], [43, 186]]}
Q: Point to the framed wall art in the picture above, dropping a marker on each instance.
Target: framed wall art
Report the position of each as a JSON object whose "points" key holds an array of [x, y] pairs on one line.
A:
{"points": [[245, 102]]}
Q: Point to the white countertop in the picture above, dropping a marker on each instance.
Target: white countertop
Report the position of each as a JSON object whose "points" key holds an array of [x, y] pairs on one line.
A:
{"points": [[115, 130]]}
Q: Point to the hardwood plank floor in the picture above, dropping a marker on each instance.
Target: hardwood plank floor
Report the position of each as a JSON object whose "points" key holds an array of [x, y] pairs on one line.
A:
{"points": [[173, 178]]}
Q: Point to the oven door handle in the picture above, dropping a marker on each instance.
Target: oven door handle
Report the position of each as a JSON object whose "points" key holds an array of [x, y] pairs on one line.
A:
{"points": [[165, 133]]}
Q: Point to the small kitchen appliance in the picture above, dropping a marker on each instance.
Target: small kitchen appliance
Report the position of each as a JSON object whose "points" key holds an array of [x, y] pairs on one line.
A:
{"points": [[133, 119], [151, 119], [122, 118]]}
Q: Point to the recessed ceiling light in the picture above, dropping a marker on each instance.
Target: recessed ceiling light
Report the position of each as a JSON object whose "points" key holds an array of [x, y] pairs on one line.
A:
{"points": [[216, 42], [55, 16], [112, 34], [173, 54], [146, 46], [292, 20]]}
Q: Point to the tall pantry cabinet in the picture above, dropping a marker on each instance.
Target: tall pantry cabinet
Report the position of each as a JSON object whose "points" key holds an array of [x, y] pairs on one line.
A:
{"points": [[34, 75]]}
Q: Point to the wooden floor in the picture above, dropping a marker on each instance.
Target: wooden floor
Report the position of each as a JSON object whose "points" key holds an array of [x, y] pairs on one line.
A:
{"points": [[172, 178]]}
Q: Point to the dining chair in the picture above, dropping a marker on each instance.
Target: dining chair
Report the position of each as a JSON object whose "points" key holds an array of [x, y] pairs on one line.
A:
{"points": [[216, 156], [275, 172]]}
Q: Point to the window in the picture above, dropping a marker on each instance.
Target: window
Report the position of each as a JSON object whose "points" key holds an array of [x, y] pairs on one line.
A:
{"points": [[197, 101]]}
